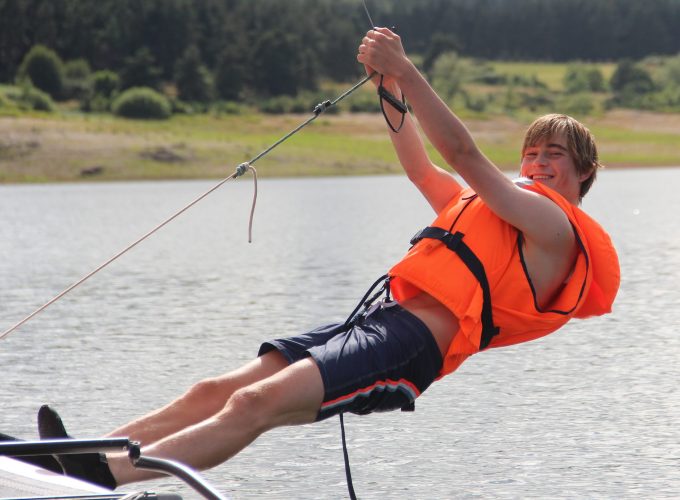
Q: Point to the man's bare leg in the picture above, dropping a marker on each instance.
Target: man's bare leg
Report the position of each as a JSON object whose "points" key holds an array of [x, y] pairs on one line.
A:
{"points": [[200, 402], [288, 397]]}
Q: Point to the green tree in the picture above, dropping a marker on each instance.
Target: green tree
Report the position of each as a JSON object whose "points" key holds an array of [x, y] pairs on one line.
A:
{"points": [[631, 78], [447, 75], [440, 43], [281, 64], [13, 26], [575, 79], [670, 72], [582, 78], [105, 83], [595, 80], [77, 79], [103, 87], [576, 104], [45, 69], [78, 69], [230, 74], [140, 70], [192, 78], [632, 86]]}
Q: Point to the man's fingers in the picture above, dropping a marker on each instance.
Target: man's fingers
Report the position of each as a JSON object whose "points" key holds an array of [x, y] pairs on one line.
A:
{"points": [[385, 32]]}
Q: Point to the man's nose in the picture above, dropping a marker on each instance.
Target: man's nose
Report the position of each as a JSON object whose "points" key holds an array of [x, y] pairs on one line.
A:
{"points": [[541, 159]]}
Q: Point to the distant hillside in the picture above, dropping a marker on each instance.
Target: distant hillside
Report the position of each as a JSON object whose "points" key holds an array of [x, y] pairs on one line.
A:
{"points": [[317, 39]]}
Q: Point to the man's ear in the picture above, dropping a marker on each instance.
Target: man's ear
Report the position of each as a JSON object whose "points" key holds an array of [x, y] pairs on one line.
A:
{"points": [[585, 176]]}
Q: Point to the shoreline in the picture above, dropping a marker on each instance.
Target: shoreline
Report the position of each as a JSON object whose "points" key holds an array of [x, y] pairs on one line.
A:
{"points": [[301, 175], [77, 148]]}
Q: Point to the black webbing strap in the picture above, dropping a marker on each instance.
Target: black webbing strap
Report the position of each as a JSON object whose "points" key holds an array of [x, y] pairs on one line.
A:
{"points": [[455, 243], [400, 106]]}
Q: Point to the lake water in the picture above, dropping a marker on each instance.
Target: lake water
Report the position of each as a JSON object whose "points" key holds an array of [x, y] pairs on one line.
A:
{"points": [[590, 412]]}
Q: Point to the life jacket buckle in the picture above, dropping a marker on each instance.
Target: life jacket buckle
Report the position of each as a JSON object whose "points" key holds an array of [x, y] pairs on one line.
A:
{"points": [[417, 237], [452, 240]]}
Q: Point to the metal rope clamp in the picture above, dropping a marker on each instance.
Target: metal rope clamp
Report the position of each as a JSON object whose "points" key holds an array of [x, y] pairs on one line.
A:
{"points": [[242, 169], [321, 107]]}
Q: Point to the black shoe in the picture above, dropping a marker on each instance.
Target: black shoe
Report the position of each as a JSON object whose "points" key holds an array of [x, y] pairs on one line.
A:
{"points": [[90, 467], [50, 425]]}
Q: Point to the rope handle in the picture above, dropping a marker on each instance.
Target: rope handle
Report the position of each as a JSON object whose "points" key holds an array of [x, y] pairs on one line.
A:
{"points": [[240, 170], [400, 106]]}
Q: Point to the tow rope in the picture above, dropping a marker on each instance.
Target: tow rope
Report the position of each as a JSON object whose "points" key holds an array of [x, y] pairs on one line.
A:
{"points": [[240, 170], [385, 96]]}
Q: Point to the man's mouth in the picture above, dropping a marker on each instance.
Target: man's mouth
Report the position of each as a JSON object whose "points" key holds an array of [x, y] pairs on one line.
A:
{"points": [[540, 177]]}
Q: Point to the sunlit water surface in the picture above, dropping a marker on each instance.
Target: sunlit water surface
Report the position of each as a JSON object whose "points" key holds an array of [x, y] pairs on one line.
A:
{"points": [[590, 412]]}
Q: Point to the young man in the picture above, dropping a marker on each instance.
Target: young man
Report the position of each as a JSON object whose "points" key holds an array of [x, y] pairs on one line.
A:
{"points": [[502, 263]]}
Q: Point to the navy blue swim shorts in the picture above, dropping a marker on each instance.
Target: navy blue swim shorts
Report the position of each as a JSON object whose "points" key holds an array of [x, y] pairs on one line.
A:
{"points": [[382, 361]]}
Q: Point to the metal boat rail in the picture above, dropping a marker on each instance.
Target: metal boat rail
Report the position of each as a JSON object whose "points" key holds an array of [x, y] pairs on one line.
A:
{"points": [[19, 449]]}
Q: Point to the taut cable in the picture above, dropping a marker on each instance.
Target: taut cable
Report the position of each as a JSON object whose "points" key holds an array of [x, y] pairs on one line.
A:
{"points": [[240, 170]]}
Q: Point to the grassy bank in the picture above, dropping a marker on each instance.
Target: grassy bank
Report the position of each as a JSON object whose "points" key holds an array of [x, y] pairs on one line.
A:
{"points": [[46, 148]]}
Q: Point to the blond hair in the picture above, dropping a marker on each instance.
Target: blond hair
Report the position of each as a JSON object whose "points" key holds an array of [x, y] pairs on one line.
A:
{"points": [[580, 142]]}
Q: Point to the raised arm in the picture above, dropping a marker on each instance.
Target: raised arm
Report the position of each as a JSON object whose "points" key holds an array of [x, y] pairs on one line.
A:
{"points": [[539, 218], [436, 184]]}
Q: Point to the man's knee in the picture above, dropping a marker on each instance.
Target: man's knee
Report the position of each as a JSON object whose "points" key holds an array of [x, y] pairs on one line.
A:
{"points": [[254, 405], [292, 396], [205, 389], [214, 392], [207, 396]]}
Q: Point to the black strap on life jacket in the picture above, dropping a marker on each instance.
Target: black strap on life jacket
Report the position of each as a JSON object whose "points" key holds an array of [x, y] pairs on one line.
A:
{"points": [[455, 243]]}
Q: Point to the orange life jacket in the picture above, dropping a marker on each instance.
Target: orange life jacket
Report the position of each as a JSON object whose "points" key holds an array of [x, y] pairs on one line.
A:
{"points": [[471, 261]]}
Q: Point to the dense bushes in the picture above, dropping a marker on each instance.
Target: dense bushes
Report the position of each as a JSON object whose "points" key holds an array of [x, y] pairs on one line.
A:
{"points": [[583, 78], [633, 87], [43, 67], [142, 102], [466, 84], [25, 98], [36, 100], [105, 83], [102, 87], [77, 79]]}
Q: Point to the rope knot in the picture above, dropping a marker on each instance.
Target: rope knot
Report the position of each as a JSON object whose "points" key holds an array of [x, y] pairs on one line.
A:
{"points": [[242, 169]]}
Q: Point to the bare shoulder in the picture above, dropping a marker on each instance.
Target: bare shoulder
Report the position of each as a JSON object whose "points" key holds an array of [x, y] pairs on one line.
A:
{"points": [[438, 187], [545, 224], [542, 221]]}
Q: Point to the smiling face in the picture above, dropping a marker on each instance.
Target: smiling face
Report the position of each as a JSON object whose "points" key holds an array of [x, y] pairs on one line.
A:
{"points": [[550, 162], [560, 152]]}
